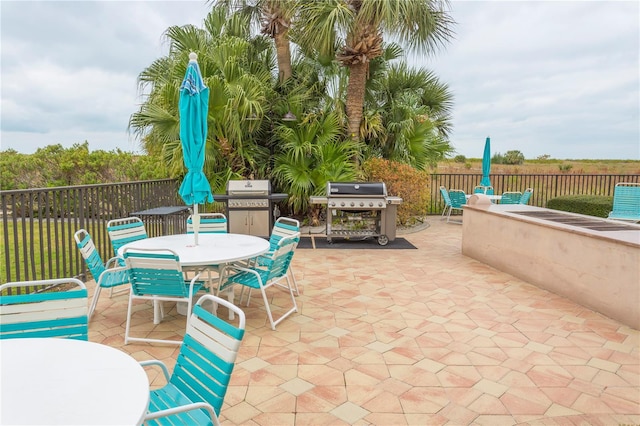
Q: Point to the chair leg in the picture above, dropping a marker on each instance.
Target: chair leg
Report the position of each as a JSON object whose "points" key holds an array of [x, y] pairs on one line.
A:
{"points": [[94, 301], [128, 324], [293, 278], [444, 212], [286, 314]]}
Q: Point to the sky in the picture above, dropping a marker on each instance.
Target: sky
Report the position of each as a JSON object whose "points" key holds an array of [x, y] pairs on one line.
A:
{"points": [[557, 78]]}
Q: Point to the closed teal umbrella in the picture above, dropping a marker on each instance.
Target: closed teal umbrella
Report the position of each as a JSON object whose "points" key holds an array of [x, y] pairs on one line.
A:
{"points": [[486, 164], [194, 108]]}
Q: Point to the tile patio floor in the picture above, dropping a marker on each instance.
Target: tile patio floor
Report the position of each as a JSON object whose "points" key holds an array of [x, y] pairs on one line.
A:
{"points": [[418, 337]]}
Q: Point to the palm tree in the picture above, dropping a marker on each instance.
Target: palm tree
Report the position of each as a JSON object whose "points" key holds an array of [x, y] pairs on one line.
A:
{"points": [[311, 153], [351, 31], [275, 20], [407, 114], [237, 68]]}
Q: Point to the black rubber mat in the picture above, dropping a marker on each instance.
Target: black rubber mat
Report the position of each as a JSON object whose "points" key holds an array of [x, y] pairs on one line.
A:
{"points": [[353, 243]]}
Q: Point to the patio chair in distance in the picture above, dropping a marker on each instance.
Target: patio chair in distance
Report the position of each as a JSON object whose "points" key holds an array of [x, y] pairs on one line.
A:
{"points": [[108, 275], [626, 202], [479, 189], [125, 230], [447, 203], [60, 314], [210, 223], [458, 199], [194, 393], [261, 278], [511, 197], [526, 195], [156, 275]]}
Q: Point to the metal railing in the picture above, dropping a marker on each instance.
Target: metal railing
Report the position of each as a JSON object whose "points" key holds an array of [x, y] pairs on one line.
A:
{"points": [[545, 187], [37, 225]]}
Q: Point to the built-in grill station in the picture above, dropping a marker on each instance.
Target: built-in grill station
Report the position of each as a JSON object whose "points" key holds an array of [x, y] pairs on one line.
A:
{"points": [[251, 207], [360, 209]]}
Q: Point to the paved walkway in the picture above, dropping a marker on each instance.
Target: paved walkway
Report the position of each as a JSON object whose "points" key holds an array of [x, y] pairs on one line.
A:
{"points": [[418, 337]]}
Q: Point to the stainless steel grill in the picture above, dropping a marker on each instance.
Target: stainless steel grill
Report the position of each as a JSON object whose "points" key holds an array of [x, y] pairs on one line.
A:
{"points": [[360, 210], [251, 207]]}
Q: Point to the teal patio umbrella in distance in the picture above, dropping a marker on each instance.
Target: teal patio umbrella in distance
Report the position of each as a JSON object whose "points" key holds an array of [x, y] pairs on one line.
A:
{"points": [[486, 164], [194, 108]]}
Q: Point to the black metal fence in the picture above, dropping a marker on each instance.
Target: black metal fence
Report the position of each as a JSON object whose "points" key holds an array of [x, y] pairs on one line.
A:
{"points": [[38, 224], [545, 187]]}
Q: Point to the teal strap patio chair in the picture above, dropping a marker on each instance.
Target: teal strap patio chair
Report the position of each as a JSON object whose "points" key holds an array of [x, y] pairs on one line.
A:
{"points": [[479, 189], [511, 197], [210, 223], [263, 277], [447, 203], [526, 196], [626, 202], [45, 313], [125, 230], [282, 228], [108, 275], [194, 393], [458, 199], [156, 275]]}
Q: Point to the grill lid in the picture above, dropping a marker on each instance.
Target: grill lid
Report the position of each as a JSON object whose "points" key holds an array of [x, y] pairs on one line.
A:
{"points": [[354, 189], [249, 187]]}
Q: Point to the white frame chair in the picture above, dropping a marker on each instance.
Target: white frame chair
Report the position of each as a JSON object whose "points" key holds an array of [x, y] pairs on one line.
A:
{"points": [[283, 227], [458, 199], [106, 275], [61, 314], [156, 275], [203, 369], [210, 223], [125, 230], [261, 278]]}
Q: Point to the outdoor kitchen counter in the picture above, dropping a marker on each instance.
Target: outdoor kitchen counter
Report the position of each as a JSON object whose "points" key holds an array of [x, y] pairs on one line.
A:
{"points": [[597, 268]]}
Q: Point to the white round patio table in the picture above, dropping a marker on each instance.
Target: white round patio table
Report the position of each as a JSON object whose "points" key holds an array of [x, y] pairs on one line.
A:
{"points": [[48, 381], [212, 249], [492, 197]]}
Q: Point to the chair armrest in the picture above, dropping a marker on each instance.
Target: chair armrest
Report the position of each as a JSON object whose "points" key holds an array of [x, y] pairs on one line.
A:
{"points": [[159, 363], [182, 409], [238, 268], [192, 283], [115, 260]]}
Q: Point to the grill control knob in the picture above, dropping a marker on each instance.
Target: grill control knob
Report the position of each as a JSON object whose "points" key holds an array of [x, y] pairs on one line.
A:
{"points": [[332, 204], [352, 204], [380, 204], [370, 203], [361, 204], [342, 204]]}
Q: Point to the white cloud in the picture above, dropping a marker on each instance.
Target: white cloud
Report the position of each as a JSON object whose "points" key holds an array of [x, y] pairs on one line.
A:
{"points": [[558, 78]]}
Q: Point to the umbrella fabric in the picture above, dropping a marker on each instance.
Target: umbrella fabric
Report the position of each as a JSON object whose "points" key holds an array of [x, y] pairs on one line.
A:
{"points": [[486, 164], [194, 107]]}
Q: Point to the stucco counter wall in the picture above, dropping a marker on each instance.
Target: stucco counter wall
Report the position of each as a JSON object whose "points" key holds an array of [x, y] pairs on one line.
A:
{"points": [[599, 270]]}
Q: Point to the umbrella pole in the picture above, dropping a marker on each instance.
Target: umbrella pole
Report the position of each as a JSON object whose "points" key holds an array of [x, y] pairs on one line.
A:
{"points": [[195, 219]]}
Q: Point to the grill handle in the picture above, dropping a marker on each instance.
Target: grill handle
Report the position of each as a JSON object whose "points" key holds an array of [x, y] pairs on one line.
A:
{"points": [[248, 193]]}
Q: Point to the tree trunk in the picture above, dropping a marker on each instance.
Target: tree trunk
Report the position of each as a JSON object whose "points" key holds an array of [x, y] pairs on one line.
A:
{"points": [[284, 55], [355, 97]]}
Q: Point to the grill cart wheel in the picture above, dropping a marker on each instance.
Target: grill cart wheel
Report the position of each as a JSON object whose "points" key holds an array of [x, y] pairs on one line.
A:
{"points": [[383, 240]]}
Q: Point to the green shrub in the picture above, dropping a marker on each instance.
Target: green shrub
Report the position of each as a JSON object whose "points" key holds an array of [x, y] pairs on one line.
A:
{"points": [[403, 181], [513, 157], [591, 205], [460, 159]]}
